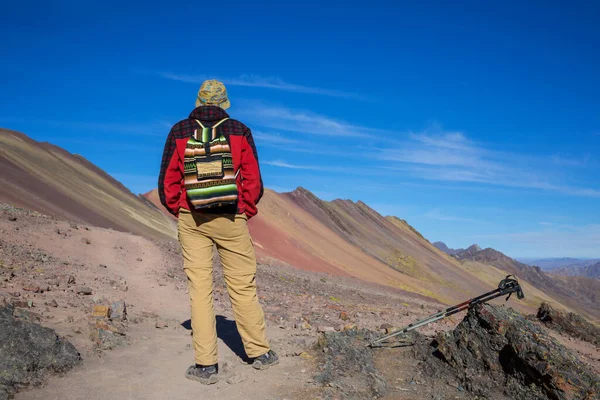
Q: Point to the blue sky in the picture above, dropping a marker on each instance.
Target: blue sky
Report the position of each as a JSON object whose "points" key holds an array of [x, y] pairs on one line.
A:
{"points": [[478, 122]]}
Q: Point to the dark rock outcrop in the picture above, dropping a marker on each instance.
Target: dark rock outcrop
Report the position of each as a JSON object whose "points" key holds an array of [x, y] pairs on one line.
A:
{"points": [[28, 351], [347, 366], [497, 350], [570, 324]]}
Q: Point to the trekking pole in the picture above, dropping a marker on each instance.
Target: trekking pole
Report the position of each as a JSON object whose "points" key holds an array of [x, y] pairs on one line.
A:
{"points": [[508, 285]]}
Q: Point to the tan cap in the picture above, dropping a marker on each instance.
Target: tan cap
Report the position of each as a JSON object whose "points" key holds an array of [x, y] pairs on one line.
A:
{"points": [[213, 93]]}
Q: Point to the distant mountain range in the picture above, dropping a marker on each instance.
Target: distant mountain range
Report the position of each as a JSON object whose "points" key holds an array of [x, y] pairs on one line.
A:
{"points": [[587, 267], [590, 271], [564, 266], [562, 262], [442, 246]]}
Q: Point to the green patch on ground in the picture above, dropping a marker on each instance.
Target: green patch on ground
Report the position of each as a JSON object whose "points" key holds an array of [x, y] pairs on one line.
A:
{"points": [[408, 265], [419, 290], [404, 263]]}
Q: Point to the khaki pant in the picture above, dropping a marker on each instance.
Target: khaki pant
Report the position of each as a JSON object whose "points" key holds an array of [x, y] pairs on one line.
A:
{"points": [[197, 233]]}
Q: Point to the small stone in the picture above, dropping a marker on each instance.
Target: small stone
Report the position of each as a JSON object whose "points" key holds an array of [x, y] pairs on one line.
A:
{"points": [[118, 310], [305, 326], [161, 324], [86, 241], [84, 290], [344, 316], [235, 379], [67, 280], [110, 326], [34, 289], [139, 259], [349, 327], [70, 319], [103, 266], [52, 303], [304, 355], [12, 219], [101, 311], [303, 371]]}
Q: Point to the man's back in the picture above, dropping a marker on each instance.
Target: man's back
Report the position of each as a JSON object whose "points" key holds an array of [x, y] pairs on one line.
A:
{"points": [[210, 180]]}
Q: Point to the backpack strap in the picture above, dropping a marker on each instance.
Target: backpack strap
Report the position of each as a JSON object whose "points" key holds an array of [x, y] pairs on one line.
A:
{"points": [[209, 133]]}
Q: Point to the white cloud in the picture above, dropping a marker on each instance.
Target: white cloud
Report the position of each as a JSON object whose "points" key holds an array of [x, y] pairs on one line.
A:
{"points": [[302, 121], [439, 216], [453, 157], [283, 164], [257, 81], [275, 139]]}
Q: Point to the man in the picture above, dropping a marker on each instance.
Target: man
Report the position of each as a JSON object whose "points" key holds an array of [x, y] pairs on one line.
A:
{"points": [[210, 179]]}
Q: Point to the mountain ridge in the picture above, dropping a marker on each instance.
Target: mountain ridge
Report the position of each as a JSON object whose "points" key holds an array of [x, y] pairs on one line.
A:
{"points": [[46, 178]]}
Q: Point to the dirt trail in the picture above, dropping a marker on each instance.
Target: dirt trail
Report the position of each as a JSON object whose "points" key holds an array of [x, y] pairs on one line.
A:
{"points": [[153, 366]]}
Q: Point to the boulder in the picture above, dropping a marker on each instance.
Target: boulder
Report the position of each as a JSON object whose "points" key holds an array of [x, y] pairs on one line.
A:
{"points": [[496, 349], [28, 352], [84, 290]]}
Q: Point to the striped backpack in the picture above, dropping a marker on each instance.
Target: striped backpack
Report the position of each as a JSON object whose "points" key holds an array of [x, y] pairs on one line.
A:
{"points": [[210, 180]]}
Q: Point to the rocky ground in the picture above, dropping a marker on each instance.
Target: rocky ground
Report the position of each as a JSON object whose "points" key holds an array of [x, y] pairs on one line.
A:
{"points": [[494, 353], [121, 300], [569, 324]]}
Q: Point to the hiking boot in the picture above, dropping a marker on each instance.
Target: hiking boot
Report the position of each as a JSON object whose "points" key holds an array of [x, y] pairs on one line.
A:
{"points": [[205, 375], [265, 361]]}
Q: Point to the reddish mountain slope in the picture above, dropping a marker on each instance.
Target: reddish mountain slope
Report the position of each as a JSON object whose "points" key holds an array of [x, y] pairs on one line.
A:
{"points": [[48, 179]]}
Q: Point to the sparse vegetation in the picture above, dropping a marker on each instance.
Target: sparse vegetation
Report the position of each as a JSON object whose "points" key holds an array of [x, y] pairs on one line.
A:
{"points": [[404, 263]]}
